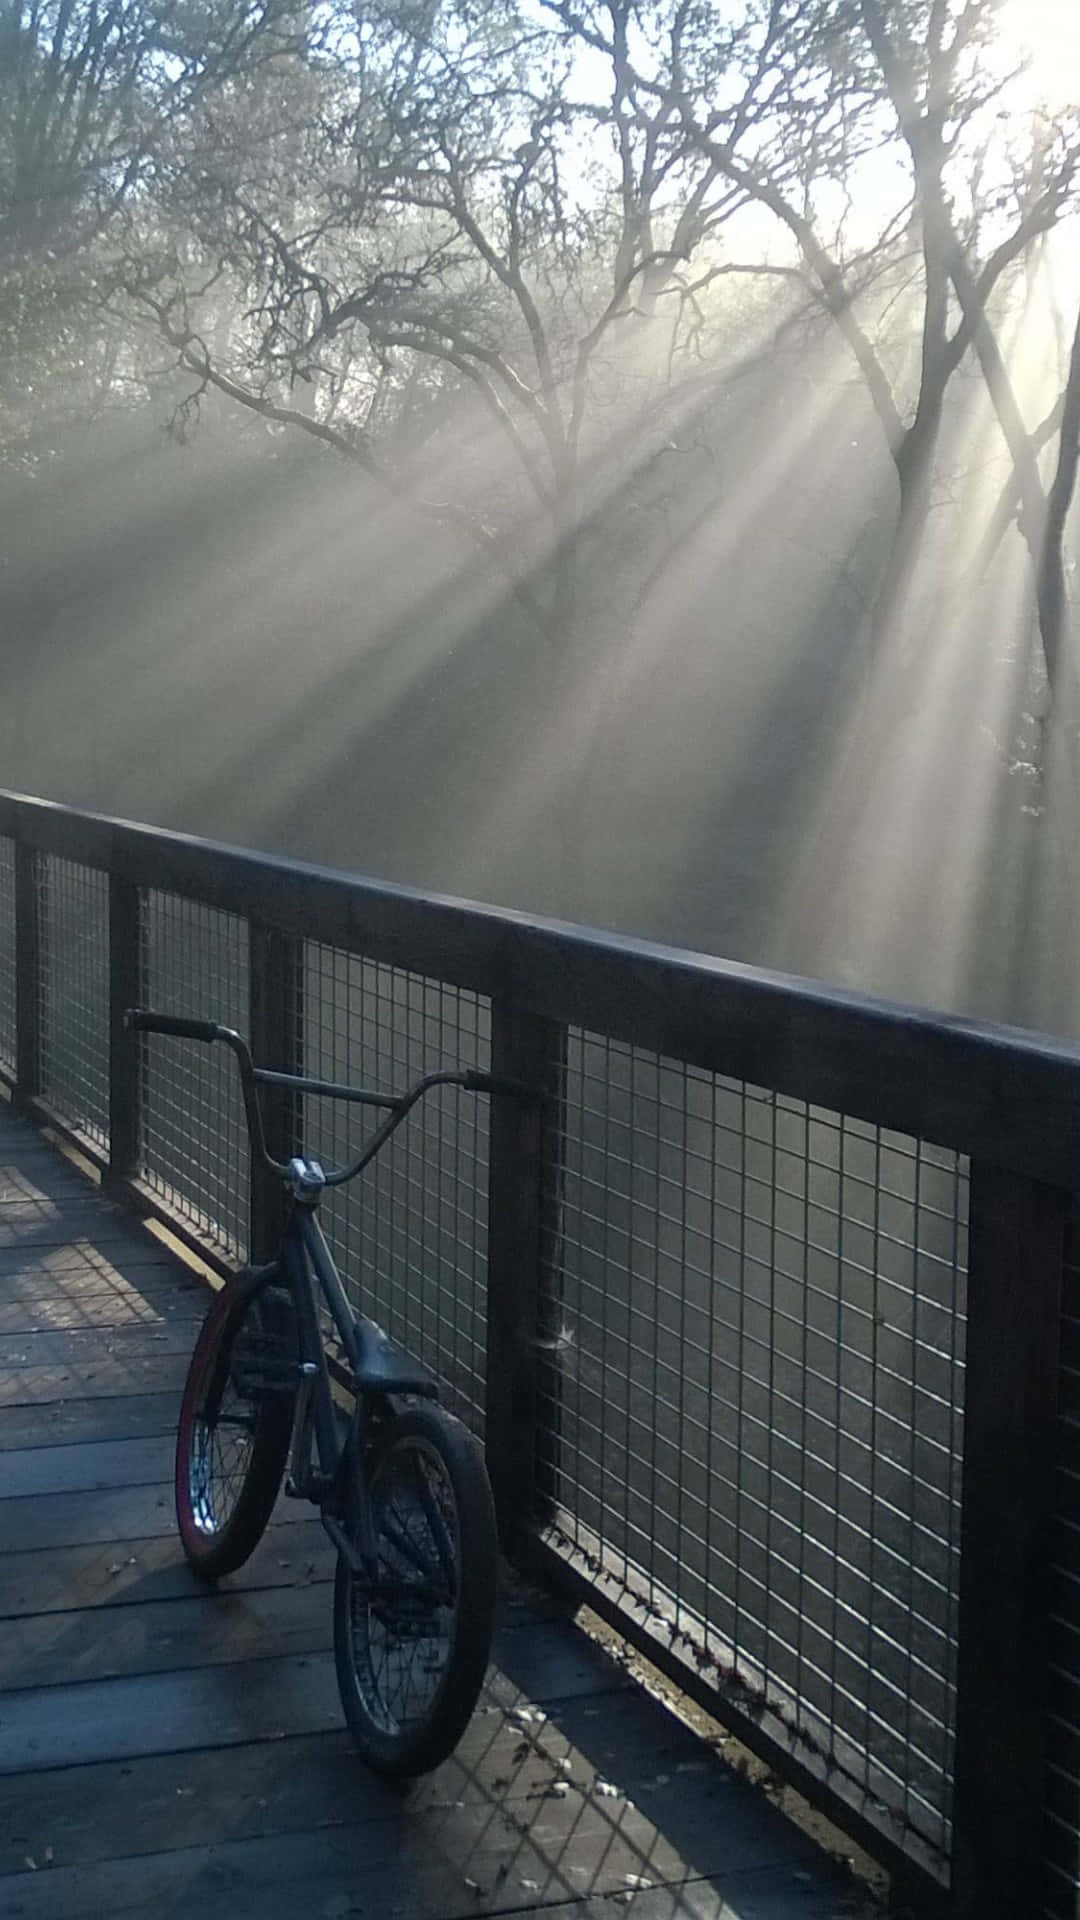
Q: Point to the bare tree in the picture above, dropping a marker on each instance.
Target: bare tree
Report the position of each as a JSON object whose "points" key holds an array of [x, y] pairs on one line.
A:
{"points": [[459, 209], [911, 89]]}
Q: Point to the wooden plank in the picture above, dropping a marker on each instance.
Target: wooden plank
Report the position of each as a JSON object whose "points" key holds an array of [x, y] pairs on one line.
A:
{"points": [[1016, 1239], [108, 1573], [27, 1307], [26, 1211], [24, 1180], [73, 1519], [200, 1629], [113, 1572], [106, 1378], [315, 1783], [173, 1800], [87, 1346], [66, 1726], [79, 1422], [111, 1513], [126, 1632], [428, 1863], [35, 1471], [255, 1699], [221, 1887], [21, 1144], [73, 1258], [47, 1225]]}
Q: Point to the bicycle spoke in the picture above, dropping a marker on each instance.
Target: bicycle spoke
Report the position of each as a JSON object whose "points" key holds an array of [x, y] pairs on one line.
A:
{"points": [[221, 1454], [402, 1623]]}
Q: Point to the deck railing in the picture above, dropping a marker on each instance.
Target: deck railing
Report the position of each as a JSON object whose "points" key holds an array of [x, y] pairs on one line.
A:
{"points": [[769, 1316]]}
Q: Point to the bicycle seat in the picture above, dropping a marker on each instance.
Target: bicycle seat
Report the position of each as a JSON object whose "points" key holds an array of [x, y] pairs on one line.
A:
{"points": [[384, 1368]]}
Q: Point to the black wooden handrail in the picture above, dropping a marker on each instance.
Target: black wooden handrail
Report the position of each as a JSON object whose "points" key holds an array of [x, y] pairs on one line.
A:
{"points": [[997, 1093]]}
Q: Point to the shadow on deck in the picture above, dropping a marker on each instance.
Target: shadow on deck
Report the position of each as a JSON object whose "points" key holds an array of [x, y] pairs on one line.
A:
{"points": [[166, 1750]]}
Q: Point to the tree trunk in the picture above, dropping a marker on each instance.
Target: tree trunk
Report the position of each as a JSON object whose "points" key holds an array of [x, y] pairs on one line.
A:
{"points": [[563, 744], [914, 463], [1051, 586]]}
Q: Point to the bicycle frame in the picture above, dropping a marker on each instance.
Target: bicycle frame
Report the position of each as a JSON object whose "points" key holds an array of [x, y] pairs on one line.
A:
{"points": [[304, 1262], [375, 1366]]}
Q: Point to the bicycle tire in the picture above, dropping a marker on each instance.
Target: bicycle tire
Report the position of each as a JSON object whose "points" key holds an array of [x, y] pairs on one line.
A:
{"points": [[415, 1591], [223, 1503]]}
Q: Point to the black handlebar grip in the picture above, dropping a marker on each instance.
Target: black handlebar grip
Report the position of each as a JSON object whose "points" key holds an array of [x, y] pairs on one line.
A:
{"points": [[489, 1083], [138, 1020]]}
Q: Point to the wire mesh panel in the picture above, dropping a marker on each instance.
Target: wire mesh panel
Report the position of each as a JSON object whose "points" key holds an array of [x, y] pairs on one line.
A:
{"points": [[1062, 1828], [759, 1403], [7, 952], [75, 995], [410, 1234], [194, 1137]]}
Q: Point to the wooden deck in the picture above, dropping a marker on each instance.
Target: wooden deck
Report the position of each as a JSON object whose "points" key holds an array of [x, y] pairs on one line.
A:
{"points": [[164, 1750]]}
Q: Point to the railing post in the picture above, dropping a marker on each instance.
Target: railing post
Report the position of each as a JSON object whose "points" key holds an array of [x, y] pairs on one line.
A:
{"points": [[522, 1374], [1016, 1242], [29, 953], [277, 1040], [126, 972]]}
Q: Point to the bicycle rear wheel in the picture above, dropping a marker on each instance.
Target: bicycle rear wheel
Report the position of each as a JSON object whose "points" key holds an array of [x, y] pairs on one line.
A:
{"points": [[235, 1424], [411, 1640]]}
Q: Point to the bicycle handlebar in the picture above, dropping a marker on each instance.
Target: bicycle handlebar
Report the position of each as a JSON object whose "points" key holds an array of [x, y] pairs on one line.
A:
{"points": [[179, 1027], [138, 1020]]}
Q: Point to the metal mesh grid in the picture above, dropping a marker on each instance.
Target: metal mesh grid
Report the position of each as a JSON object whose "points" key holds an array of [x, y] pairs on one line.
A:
{"points": [[1062, 1794], [74, 990], [759, 1401], [194, 1137], [410, 1234], [7, 952]]}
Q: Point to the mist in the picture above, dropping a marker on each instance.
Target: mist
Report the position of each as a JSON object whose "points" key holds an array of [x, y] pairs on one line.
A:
{"points": [[609, 523], [238, 639]]}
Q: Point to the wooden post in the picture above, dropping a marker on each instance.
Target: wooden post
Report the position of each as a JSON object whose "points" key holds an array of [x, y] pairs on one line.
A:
{"points": [[522, 1378], [276, 1036], [1013, 1335], [126, 972], [29, 984]]}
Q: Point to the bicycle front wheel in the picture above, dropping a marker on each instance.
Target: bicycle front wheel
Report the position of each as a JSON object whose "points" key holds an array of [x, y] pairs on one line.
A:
{"points": [[235, 1424], [412, 1635]]}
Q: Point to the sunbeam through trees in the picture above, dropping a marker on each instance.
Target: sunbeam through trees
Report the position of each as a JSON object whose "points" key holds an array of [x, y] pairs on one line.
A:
{"points": [[616, 459]]}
